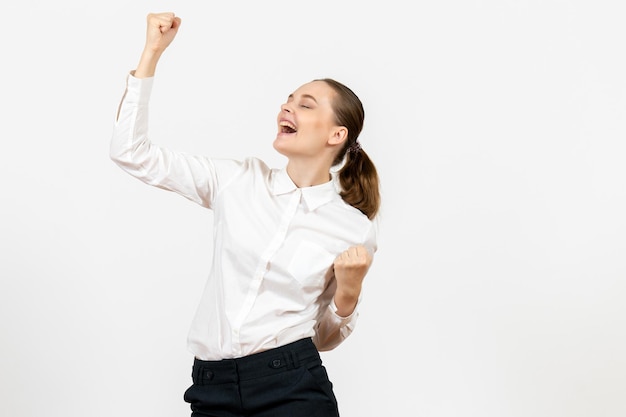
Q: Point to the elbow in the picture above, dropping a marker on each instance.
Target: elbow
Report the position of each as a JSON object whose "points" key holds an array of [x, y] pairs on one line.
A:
{"points": [[117, 152], [117, 156], [124, 159], [113, 156]]}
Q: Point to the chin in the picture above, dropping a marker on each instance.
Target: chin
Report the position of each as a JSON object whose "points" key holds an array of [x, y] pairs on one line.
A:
{"points": [[279, 146]]}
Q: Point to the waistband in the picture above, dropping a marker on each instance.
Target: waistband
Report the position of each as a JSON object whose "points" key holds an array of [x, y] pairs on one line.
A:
{"points": [[269, 362]]}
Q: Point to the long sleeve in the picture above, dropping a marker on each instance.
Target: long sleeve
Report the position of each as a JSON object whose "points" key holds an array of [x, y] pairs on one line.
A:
{"points": [[273, 242], [333, 329], [193, 177]]}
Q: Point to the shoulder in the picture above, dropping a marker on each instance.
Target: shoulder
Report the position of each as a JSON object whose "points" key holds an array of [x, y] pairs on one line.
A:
{"points": [[355, 223]]}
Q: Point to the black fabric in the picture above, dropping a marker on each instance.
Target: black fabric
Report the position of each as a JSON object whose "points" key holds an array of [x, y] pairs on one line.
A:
{"points": [[289, 381]]}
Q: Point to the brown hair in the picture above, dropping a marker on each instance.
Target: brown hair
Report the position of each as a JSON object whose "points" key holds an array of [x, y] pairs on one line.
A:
{"points": [[358, 177]]}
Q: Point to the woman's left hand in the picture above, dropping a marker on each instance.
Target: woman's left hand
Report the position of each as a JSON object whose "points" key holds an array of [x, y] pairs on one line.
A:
{"points": [[350, 267]]}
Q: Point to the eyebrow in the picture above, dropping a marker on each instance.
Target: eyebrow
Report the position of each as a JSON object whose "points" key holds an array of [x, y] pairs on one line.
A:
{"points": [[304, 96]]}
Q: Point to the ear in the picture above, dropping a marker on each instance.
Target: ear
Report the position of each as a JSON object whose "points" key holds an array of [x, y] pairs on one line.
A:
{"points": [[338, 136]]}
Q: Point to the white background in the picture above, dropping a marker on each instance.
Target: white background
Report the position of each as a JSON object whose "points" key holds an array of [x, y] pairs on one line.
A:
{"points": [[498, 130]]}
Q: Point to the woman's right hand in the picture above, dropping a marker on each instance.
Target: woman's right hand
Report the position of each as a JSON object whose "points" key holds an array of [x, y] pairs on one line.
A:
{"points": [[161, 31]]}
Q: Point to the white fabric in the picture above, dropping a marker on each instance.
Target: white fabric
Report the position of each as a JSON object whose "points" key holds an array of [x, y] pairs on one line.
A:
{"points": [[271, 281]]}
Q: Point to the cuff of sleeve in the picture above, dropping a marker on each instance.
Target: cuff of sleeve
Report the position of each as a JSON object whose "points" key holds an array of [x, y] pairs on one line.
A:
{"points": [[138, 90], [333, 308]]}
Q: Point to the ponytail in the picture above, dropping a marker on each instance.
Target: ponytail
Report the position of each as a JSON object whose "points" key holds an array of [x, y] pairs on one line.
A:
{"points": [[359, 181], [358, 176]]}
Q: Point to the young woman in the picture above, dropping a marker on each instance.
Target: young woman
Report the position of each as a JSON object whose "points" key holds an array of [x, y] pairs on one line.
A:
{"points": [[287, 270]]}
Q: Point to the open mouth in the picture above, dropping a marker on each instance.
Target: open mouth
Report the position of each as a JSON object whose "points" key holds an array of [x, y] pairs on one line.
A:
{"points": [[287, 127]]}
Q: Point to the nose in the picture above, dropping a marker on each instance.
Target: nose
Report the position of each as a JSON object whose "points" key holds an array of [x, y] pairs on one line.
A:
{"points": [[285, 107]]}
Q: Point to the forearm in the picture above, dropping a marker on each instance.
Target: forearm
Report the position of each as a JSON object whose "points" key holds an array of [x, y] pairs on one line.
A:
{"points": [[332, 329], [191, 176], [147, 64], [346, 299]]}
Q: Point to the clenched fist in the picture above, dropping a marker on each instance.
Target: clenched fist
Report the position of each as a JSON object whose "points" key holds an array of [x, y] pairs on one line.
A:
{"points": [[161, 31], [350, 268]]}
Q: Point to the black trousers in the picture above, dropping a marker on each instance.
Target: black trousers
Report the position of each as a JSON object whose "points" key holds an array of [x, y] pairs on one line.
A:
{"points": [[289, 381]]}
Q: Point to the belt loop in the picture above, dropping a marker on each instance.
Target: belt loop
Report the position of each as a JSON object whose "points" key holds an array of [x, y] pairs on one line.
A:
{"points": [[294, 358], [236, 369]]}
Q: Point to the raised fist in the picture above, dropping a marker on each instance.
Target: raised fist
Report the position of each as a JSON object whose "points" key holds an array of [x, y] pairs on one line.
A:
{"points": [[351, 266], [161, 30]]}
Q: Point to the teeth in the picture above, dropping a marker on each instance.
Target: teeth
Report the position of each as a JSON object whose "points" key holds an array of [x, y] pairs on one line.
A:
{"points": [[287, 124]]}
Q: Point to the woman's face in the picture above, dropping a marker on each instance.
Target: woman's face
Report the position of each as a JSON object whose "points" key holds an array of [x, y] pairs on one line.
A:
{"points": [[306, 122]]}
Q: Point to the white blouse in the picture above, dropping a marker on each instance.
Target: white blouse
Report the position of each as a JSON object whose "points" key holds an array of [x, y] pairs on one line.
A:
{"points": [[271, 281]]}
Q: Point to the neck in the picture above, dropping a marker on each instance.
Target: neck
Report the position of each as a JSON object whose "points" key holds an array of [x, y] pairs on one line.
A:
{"points": [[307, 174]]}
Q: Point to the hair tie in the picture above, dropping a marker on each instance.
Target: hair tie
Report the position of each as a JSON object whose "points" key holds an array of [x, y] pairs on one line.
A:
{"points": [[355, 147]]}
